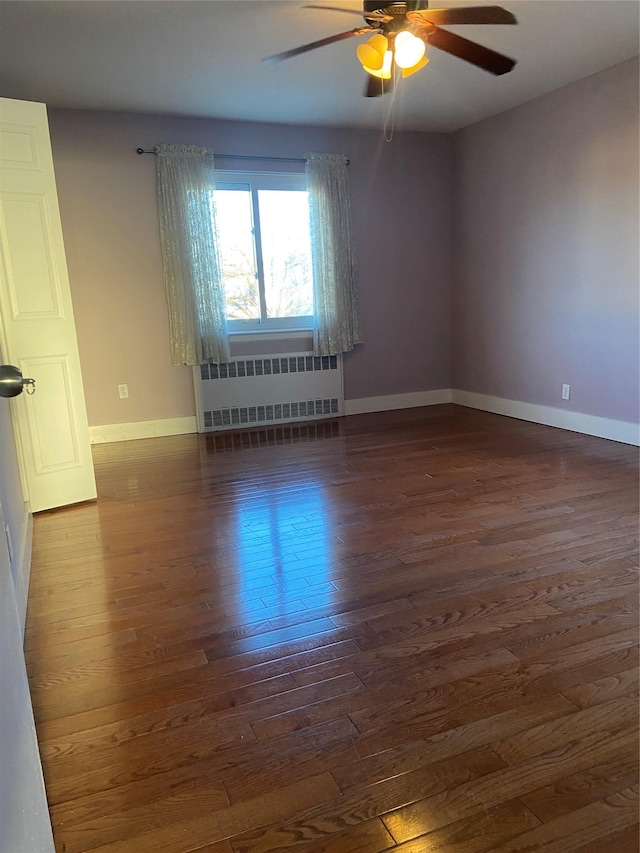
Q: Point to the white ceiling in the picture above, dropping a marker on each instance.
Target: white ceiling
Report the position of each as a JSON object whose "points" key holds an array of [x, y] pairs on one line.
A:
{"points": [[203, 59]]}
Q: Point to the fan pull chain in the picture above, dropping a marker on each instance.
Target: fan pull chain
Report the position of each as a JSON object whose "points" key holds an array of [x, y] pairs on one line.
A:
{"points": [[389, 115]]}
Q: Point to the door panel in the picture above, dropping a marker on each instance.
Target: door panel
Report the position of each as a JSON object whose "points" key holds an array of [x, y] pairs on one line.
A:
{"points": [[38, 329], [19, 216]]}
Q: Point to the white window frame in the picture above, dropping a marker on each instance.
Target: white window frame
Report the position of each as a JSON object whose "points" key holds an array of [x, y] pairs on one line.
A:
{"points": [[228, 179]]}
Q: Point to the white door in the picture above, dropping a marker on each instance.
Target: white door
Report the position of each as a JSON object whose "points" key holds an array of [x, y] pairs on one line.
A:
{"points": [[25, 826], [38, 331], [24, 817]]}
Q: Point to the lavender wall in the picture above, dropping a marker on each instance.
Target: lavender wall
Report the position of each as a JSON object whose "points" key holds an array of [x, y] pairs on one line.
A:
{"points": [[546, 249], [401, 194]]}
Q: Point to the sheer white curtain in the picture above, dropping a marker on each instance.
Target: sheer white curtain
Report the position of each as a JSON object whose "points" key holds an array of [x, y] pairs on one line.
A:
{"points": [[336, 323], [191, 263]]}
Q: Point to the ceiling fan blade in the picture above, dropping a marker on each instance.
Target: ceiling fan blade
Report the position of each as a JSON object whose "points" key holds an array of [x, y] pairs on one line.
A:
{"points": [[373, 16], [376, 86], [296, 51], [476, 54], [468, 15]]}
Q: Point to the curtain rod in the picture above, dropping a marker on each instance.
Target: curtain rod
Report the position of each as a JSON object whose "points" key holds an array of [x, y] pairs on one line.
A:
{"points": [[244, 157]]}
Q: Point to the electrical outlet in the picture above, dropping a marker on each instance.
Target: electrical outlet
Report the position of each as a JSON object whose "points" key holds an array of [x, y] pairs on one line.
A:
{"points": [[566, 392], [123, 390]]}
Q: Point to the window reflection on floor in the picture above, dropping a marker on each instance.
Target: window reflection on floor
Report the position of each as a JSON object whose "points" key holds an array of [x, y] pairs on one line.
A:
{"points": [[231, 442], [283, 535]]}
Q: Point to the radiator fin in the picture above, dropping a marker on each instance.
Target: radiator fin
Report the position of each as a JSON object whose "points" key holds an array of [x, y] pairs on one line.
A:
{"points": [[236, 416], [268, 366]]}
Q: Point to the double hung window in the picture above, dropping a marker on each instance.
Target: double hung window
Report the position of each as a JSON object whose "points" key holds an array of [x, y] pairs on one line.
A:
{"points": [[265, 250]]}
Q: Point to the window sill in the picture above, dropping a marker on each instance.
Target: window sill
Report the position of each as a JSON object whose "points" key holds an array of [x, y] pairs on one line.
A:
{"points": [[270, 334]]}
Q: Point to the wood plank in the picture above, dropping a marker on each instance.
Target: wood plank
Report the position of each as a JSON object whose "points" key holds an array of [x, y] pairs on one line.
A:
{"points": [[209, 741], [588, 825], [483, 831], [513, 782], [221, 824], [454, 741], [368, 837], [624, 841], [581, 789], [318, 825], [623, 683], [118, 825], [586, 726], [176, 783]]}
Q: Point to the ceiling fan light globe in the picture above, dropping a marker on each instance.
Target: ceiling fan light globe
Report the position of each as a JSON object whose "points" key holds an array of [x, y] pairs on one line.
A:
{"points": [[407, 72], [369, 58], [379, 42], [372, 53], [409, 49], [383, 73]]}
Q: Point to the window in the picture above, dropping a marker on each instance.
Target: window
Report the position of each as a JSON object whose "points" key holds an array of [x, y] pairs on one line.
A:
{"points": [[265, 248]]}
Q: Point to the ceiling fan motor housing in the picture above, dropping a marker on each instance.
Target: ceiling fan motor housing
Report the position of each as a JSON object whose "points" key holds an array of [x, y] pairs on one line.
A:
{"points": [[396, 10], [395, 7]]}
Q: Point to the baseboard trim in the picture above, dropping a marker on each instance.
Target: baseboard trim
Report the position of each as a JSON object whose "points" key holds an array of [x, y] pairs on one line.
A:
{"points": [[23, 567], [364, 405], [622, 431], [142, 429]]}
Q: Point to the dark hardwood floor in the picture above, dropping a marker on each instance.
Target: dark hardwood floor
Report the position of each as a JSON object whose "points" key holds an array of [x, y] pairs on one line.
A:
{"points": [[412, 631]]}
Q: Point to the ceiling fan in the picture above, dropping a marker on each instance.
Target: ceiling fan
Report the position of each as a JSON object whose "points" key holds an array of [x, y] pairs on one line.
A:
{"points": [[400, 32]]}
